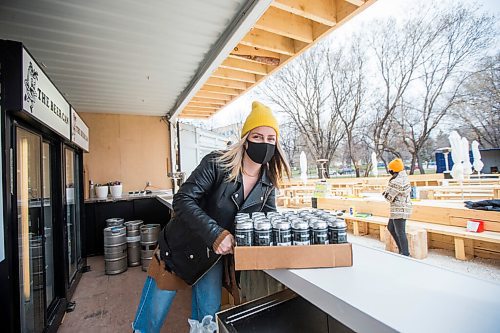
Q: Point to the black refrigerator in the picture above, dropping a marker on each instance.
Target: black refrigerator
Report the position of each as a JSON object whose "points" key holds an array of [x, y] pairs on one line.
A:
{"points": [[43, 141]]}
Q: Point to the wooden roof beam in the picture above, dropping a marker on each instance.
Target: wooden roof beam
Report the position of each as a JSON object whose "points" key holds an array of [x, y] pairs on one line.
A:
{"points": [[225, 83], [286, 24], [244, 65], [202, 108], [356, 2], [322, 11], [258, 55], [230, 74], [269, 41], [207, 101], [194, 116], [220, 90], [208, 105], [213, 96], [345, 8], [197, 111], [243, 50]]}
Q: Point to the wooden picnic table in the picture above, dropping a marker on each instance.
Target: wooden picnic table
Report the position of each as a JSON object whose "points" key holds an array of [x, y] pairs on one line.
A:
{"points": [[460, 192]]}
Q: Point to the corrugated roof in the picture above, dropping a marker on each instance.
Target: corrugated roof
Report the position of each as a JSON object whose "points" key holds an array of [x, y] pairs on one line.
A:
{"points": [[130, 57]]}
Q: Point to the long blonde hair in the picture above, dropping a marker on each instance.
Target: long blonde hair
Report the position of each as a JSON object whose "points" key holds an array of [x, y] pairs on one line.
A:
{"points": [[232, 162]]}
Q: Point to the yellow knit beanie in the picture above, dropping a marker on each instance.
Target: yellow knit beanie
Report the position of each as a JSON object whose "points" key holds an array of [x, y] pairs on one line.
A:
{"points": [[396, 165], [261, 115]]}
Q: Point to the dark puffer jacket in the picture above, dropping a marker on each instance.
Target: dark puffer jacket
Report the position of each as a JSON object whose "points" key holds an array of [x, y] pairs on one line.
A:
{"points": [[204, 208]]}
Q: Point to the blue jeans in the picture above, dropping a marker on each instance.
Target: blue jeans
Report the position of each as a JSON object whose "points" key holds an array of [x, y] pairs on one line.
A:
{"points": [[155, 303]]}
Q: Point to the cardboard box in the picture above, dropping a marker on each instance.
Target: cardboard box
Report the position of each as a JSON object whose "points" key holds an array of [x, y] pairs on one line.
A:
{"points": [[309, 256]]}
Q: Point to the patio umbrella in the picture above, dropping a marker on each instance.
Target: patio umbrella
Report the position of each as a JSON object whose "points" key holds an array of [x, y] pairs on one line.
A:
{"points": [[457, 171], [478, 164], [465, 155], [303, 167], [374, 164]]}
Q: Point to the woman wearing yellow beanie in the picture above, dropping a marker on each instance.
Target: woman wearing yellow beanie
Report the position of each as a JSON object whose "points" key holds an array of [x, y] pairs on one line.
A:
{"points": [[200, 233], [398, 195]]}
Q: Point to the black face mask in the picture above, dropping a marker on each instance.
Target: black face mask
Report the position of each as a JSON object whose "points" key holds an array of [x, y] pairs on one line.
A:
{"points": [[260, 153]]}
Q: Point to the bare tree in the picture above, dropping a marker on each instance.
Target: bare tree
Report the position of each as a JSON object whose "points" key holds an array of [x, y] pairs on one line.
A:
{"points": [[397, 49], [459, 37], [423, 66], [348, 91], [301, 91], [289, 138], [480, 111]]}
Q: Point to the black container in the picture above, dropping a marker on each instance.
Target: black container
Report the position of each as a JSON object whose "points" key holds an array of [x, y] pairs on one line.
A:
{"points": [[282, 234], [262, 234], [337, 230], [258, 215], [244, 234], [241, 217], [300, 233], [320, 233]]}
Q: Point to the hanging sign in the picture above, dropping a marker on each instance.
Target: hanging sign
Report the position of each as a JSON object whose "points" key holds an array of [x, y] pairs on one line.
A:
{"points": [[79, 131], [42, 100]]}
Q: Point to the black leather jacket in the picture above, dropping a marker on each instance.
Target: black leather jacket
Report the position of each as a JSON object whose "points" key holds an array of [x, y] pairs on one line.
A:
{"points": [[204, 206]]}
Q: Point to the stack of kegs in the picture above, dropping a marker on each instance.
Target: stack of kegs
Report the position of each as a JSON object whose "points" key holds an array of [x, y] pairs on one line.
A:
{"points": [[134, 242], [114, 222], [115, 250], [149, 241], [290, 228]]}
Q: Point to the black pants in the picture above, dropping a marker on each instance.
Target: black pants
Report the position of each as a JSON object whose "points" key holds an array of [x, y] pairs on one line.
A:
{"points": [[397, 229]]}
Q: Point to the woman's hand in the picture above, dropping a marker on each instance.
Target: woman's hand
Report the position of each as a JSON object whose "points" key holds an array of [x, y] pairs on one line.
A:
{"points": [[226, 246]]}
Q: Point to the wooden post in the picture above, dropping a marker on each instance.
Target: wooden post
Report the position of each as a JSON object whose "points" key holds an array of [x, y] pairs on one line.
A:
{"points": [[359, 228], [460, 248], [417, 242], [382, 229], [464, 248]]}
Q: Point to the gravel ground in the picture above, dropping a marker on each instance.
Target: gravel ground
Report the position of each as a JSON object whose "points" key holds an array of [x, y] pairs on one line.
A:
{"points": [[486, 269]]}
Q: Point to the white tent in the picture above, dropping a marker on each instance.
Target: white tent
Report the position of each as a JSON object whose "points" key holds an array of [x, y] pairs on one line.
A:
{"points": [[466, 157], [303, 167], [478, 164], [457, 172], [374, 164]]}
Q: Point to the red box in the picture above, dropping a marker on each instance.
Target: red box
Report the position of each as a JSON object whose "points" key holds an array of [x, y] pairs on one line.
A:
{"points": [[475, 225]]}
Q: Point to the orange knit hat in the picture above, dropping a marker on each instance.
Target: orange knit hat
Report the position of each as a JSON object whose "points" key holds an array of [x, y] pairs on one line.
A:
{"points": [[396, 165]]}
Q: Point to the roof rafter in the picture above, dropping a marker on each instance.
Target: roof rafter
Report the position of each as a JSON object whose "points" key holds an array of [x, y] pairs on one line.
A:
{"points": [[269, 41], [231, 74], [226, 83], [322, 11], [244, 65], [286, 24]]}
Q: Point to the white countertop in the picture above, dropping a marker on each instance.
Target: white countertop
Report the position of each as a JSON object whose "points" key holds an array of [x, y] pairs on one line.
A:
{"points": [[166, 199], [385, 292]]}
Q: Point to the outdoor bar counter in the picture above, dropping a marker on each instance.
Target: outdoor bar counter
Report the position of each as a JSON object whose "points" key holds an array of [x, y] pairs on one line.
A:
{"points": [[385, 292]]}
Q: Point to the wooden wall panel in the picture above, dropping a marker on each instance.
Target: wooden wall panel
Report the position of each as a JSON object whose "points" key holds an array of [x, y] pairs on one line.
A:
{"points": [[132, 149]]}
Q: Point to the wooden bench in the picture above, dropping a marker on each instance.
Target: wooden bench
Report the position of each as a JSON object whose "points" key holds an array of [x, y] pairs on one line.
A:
{"points": [[463, 240]]}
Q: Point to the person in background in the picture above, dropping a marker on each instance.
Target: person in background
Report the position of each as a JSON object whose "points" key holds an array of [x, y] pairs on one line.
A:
{"points": [[398, 194], [241, 179]]}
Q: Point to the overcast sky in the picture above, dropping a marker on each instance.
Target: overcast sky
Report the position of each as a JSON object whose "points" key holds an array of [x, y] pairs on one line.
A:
{"points": [[380, 9]]}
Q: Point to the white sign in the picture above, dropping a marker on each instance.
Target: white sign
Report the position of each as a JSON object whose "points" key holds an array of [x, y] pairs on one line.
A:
{"points": [[79, 131], [42, 100]]}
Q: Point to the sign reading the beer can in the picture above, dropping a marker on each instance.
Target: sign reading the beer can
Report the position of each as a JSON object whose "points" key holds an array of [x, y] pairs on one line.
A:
{"points": [[42, 100], [79, 131]]}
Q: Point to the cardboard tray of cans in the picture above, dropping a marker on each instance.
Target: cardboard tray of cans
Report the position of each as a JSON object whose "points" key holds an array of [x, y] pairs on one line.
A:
{"points": [[294, 239], [300, 256]]}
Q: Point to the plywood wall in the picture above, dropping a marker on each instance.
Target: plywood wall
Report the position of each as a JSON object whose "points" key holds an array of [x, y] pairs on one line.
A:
{"points": [[131, 149]]}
